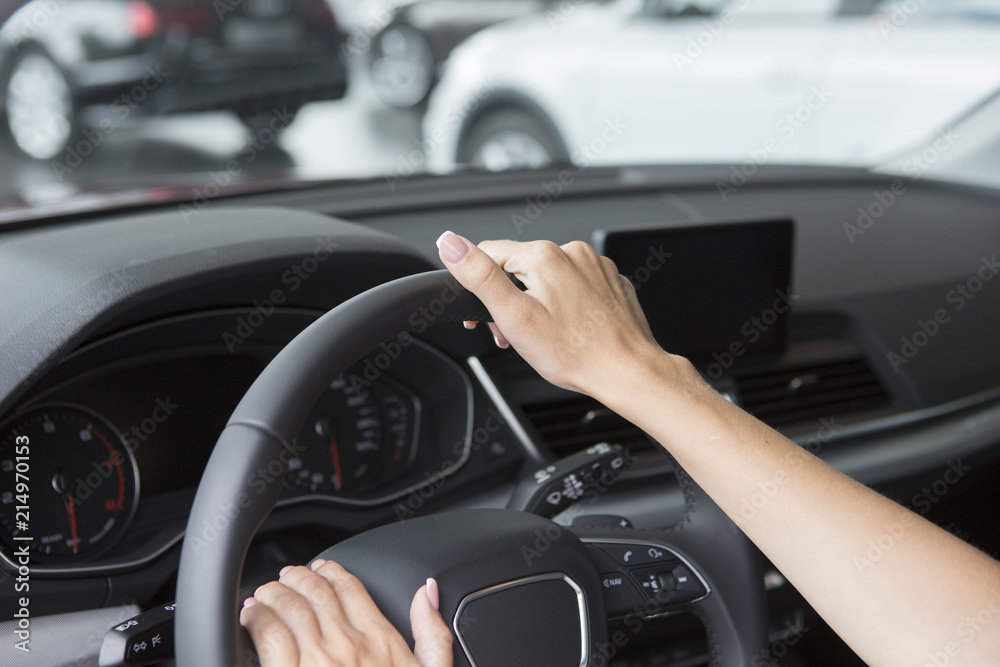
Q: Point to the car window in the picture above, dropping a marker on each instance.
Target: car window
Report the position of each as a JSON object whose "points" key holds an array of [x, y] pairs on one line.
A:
{"points": [[982, 9], [104, 97], [795, 8]]}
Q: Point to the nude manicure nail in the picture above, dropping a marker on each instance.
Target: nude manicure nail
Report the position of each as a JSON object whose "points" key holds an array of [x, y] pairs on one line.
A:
{"points": [[433, 595]]}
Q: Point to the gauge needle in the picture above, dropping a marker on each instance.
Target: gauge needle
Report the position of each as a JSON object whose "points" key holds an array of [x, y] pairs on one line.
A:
{"points": [[71, 512], [338, 477]]}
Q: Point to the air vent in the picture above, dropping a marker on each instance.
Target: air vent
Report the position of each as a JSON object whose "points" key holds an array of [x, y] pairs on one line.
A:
{"points": [[783, 397], [788, 396], [570, 425]]}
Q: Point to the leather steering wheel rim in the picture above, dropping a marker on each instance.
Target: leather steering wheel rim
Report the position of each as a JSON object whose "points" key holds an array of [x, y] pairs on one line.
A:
{"points": [[233, 498]]}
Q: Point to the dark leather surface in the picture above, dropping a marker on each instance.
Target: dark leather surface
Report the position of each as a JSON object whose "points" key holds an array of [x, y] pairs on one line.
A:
{"points": [[76, 281]]}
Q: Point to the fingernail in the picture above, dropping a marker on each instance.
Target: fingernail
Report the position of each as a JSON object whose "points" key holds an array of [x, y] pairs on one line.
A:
{"points": [[249, 602], [316, 564], [502, 344], [433, 595], [453, 247], [281, 572]]}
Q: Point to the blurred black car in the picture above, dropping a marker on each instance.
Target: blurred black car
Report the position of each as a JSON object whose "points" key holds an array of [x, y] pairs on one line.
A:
{"points": [[403, 57], [72, 70]]}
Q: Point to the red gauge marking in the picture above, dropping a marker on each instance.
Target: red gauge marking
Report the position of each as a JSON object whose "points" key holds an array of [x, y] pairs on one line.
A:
{"points": [[114, 459], [335, 455], [71, 512]]}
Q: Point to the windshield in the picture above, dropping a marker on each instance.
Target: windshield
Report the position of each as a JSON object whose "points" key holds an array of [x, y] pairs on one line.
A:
{"points": [[210, 96]]}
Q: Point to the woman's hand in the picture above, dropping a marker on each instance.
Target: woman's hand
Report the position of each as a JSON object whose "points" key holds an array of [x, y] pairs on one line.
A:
{"points": [[324, 617], [578, 323]]}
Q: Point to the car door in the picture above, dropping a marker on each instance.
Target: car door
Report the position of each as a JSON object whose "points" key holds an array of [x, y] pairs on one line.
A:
{"points": [[723, 82], [907, 70]]}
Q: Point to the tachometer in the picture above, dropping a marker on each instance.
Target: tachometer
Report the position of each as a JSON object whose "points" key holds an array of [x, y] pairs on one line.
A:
{"points": [[71, 492], [359, 433]]}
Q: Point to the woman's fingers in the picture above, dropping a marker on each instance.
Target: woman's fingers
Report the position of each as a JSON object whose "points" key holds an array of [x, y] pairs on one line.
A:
{"points": [[276, 644], [294, 610], [578, 318], [358, 607], [498, 336], [323, 617], [432, 637], [327, 606], [478, 272]]}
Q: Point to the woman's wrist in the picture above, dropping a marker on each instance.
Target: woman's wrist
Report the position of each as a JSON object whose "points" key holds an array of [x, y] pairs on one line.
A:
{"points": [[644, 372]]}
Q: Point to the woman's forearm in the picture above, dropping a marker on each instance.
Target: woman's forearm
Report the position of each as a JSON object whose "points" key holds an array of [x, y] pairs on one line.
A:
{"points": [[897, 588], [918, 603]]}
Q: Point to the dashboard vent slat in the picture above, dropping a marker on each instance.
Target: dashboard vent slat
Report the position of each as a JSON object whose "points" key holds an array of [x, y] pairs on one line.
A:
{"points": [[569, 425], [783, 397], [789, 396]]}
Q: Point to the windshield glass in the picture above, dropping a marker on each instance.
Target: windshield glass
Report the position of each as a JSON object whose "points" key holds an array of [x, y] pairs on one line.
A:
{"points": [[102, 97]]}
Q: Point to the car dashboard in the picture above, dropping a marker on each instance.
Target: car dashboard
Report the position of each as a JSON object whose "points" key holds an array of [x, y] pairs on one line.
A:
{"points": [[133, 337]]}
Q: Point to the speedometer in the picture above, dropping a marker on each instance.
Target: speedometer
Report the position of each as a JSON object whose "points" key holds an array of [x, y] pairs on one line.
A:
{"points": [[359, 434], [68, 483]]}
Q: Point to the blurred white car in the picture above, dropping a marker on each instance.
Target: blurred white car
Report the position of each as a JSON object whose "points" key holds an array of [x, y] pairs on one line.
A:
{"points": [[653, 81]]}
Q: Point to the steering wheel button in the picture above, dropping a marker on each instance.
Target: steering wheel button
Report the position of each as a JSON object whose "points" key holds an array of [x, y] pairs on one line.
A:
{"points": [[689, 587], [671, 584], [638, 554], [620, 595]]}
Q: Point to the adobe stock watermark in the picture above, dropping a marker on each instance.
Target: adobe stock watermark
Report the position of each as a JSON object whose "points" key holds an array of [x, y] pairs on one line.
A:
{"points": [[411, 163], [897, 16], [768, 489], [25, 25], [359, 42], [779, 648], [435, 479], [84, 487], [292, 279], [122, 107], [786, 127], [923, 501], [967, 630], [957, 298], [584, 330], [712, 30], [545, 539], [248, 151], [752, 330], [914, 167], [258, 481], [584, 156], [558, 13]]}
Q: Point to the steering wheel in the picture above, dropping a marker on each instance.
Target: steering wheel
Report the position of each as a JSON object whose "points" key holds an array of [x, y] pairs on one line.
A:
{"points": [[515, 588]]}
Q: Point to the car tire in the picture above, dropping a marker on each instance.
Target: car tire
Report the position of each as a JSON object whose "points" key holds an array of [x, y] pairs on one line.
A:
{"points": [[39, 109], [402, 66], [258, 122], [509, 139]]}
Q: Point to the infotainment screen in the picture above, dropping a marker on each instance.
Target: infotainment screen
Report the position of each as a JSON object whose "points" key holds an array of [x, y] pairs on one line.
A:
{"points": [[710, 291]]}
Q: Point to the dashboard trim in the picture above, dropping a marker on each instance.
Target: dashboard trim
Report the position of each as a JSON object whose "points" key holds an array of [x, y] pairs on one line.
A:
{"points": [[581, 599]]}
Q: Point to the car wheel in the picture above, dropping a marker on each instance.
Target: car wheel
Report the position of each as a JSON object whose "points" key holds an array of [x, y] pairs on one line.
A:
{"points": [[259, 122], [39, 106], [402, 66], [508, 139]]}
